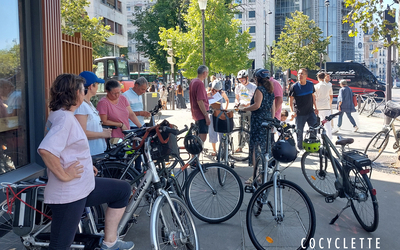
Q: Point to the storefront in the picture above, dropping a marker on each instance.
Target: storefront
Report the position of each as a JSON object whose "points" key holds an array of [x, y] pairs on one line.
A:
{"points": [[25, 74]]}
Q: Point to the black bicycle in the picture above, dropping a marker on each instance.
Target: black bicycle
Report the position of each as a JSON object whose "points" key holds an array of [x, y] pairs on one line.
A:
{"points": [[343, 176]]}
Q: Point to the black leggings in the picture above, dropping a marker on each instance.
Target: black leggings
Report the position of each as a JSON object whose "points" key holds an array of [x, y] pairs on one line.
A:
{"points": [[66, 217]]}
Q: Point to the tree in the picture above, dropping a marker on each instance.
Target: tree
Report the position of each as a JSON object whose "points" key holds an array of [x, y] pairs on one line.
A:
{"points": [[75, 19], [370, 16], [300, 43], [10, 61], [226, 48], [164, 13]]}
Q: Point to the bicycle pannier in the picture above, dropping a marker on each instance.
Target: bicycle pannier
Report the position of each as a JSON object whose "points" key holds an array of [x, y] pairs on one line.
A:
{"points": [[161, 151], [223, 121], [392, 109], [357, 158], [24, 216]]}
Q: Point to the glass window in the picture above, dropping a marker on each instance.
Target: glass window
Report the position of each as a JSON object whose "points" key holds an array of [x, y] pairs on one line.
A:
{"points": [[252, 29], [252, 14], [123, 68], [239, 15], [128, 8], [252, 45], [111, 68], [13, 123], [240, 29]]}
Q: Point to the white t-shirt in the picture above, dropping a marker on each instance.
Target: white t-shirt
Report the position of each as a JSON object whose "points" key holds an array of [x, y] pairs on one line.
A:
{"points": [[97, 146], [323, 91], [245, 93], [66, 139]]}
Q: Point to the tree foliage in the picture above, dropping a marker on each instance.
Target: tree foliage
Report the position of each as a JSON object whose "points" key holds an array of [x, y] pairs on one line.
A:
{"points": [[300, 43], [9, 61], [226, 48], [164, 13], [75, 19], [370, 15]]}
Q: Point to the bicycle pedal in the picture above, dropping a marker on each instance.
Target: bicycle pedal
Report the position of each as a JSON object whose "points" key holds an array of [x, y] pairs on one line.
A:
{"points": [[249, 189], [329, 199]]}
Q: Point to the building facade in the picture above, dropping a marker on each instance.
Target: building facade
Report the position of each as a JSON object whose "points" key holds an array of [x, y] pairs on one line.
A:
{"points": [[114, 15], [137, 60]]}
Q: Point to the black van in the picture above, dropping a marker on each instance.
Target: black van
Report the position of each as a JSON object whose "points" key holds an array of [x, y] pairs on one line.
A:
{"points": [[358, 77]]}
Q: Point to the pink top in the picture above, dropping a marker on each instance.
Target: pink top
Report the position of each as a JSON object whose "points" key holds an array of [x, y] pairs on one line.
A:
{"points": [[115, 112], [66, 139], [197, 92], [278, 91]]}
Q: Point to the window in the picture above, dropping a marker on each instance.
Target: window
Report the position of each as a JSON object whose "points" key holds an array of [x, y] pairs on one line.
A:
{"points": [[252, 45], [371, 47], [99, 70], [128, 8], [13, 107], [238, 15], [252, 1], [252, 14], [111, 68], [118, 28], [240, 30], [252, 29], [238, 1]]}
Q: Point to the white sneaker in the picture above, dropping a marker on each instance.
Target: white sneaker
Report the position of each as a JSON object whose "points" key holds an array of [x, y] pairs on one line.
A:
{"points": [[355, 129], [335, 130]]}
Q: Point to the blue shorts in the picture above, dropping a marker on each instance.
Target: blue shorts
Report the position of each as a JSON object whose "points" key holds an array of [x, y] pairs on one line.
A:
{"points": [[203, 127]]}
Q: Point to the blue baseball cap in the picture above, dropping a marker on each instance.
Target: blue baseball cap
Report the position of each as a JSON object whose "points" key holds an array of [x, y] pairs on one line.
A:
{"points": [[262, 73], [90, 78]]}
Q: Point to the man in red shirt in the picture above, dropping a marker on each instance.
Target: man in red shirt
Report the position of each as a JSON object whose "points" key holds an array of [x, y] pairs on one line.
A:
{"points": [[199, 101]]}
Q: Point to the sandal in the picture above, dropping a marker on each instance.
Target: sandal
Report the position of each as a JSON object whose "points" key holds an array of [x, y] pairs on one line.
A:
{"points": [[249, 181]]}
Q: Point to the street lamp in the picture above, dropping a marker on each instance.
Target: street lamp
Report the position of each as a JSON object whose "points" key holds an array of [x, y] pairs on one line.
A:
{"points": [[203, 6], [327, 5], [171, 60]]}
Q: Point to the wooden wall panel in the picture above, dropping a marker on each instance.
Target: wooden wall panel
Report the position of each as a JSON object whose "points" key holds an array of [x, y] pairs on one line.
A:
{"points": [[77, 54]]}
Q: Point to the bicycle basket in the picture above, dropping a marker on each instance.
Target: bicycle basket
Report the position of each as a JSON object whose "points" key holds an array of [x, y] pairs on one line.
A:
{"points": [[392, 109], [24, 216], [161, 151], [358, 159], [223, 121]]}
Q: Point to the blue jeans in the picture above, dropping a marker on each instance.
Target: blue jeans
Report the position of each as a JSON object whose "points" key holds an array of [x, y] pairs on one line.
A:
{"points": [[348, 116], [301, 120]]}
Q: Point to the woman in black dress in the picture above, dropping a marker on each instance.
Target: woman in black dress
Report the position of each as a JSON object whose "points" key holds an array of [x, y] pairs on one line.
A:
{"points": [[261, 107]]}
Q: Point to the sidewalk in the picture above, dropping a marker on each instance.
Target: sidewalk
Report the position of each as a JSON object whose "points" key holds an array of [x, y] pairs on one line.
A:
{"points": [[232, 234]]}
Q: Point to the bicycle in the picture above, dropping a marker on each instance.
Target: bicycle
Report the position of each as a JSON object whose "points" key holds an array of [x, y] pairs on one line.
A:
{"points": [[171, 224], [240, 139], [225, 147], [343, 175], [213, 191], [380, 140], [370, 103], [280, 214]]}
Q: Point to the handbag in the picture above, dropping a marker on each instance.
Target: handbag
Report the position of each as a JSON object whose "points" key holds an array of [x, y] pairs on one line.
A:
{"points": [[223, 121], [355, 102]]}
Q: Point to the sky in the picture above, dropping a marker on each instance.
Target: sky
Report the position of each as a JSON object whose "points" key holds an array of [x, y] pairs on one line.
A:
{"points": [[9, 24]]}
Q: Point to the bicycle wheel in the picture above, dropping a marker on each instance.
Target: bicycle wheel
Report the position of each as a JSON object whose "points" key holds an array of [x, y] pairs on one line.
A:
{"points": [[240, 144], [219, 203], [165, 231], [222, 158], [318, 171], [364, 203], [5, 220], [291, 228], [377, 144], [373, 107], [118, 170], [258, 171], [174, 164]]}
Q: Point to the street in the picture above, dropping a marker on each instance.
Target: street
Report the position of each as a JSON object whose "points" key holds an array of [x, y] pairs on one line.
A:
{"points": [[346, 233]]}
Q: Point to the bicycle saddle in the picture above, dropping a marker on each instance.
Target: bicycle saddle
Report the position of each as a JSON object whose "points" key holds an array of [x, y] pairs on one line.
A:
{"points": [[344, 141]]}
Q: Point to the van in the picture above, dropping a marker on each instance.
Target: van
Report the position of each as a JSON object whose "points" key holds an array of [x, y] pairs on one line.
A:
{"points": [[358, 78]]}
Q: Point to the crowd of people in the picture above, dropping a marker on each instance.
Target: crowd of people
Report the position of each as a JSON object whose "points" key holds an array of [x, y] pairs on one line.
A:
{"points": [[74, 132]]}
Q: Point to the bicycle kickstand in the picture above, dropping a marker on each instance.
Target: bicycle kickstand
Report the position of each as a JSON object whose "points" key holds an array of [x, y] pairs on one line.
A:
{"points": [[341, 211]]}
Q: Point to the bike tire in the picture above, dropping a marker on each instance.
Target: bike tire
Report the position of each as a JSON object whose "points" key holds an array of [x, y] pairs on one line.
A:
{"points": [[221, 158], [5, 220], [373, 107], [165, 232], [364, 203], [218, 206], [292, 230], [377, 145], [318, 170], [175, 164], [258, 171], [240, 137], [119, 170]]}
